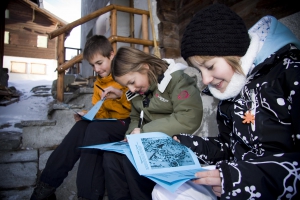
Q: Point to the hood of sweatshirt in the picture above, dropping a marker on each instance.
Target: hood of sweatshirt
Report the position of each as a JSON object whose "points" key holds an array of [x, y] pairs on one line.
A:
{"points": [[273, 35]]}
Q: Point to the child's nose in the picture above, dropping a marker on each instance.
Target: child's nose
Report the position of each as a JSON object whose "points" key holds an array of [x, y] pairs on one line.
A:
{"points": [[97, 68], [131, 88], [206, 78]]}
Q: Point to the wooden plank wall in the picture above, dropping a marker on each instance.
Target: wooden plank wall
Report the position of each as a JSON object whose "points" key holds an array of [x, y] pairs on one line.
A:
{"points": [[24, 26], [175, 15]]}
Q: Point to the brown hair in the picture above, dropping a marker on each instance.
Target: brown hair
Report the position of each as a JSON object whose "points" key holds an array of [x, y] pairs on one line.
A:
{"points": [[129, 59], [97, 44]]}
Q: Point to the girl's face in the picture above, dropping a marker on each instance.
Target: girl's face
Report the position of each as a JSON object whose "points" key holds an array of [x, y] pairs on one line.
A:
{"points": [[101, 64], [216, 71], [136, 82]]}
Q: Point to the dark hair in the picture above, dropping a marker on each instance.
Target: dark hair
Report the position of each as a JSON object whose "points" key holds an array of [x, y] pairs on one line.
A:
{"points": [[129, 59], [97, 44]]}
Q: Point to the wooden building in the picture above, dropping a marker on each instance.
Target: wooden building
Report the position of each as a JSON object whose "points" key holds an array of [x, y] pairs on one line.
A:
{"points": [[172, 16], [175, 15], [27, 49]]}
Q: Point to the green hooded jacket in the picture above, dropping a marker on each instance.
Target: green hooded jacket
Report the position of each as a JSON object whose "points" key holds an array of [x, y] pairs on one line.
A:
{"points": [[178, 109]]}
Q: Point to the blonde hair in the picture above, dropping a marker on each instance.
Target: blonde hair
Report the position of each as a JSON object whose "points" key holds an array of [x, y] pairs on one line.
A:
{"points": [[129, 59], [233, 61]]}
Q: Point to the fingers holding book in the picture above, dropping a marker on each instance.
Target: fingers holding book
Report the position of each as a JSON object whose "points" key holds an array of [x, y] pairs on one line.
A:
{"points": [[78, 115], [111, 93]]}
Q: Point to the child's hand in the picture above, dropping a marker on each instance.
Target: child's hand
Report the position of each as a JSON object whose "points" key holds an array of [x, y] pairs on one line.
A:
{"points": [[176, 139], [111, 93], [212, 178], [78, 116], [136, 131]]}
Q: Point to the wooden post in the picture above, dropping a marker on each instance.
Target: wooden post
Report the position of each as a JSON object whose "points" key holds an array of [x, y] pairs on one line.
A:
{"points": [[60, 61], [145, 31], [114, 27], [132, 23]]}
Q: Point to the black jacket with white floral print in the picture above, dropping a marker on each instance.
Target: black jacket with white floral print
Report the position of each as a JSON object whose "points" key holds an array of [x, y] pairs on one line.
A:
{"points": [[259, 159]]}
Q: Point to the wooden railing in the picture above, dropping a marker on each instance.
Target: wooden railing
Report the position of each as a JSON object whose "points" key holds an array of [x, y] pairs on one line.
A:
{"points": [[114, 38]]}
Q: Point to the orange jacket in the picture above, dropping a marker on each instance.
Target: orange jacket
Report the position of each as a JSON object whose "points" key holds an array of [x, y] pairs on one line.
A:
{"points": [[111, 108]]}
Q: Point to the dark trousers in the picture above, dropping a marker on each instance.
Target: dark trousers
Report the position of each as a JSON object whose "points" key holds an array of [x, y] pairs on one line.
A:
{"points": [[123, 182], [90, 175]]}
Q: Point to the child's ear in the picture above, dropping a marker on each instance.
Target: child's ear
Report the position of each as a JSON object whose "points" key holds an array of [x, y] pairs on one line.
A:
{"points": [[145, 66], [112, 55]]}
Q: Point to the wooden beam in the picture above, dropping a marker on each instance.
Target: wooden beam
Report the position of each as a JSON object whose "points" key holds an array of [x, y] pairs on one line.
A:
{"points": [[33, 15], [93, 15], [113, 39], [80, 21], [132, 23], [114, 27], [145, 31], [63, 67], [131, 10], [60, 74], [46, 13]]}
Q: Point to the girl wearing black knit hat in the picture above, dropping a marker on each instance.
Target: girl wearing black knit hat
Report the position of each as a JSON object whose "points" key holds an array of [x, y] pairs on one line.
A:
{"points": [[256, 76]]}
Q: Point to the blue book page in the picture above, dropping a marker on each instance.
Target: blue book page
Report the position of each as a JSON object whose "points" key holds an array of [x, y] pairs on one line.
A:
{"points": [[156, 153], [174, 176], [93, 111], [172, 187], [119, 147], [129, 155]]}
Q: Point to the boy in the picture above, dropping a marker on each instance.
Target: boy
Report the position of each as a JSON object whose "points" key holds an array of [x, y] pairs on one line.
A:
{"points": [[99, 53]]}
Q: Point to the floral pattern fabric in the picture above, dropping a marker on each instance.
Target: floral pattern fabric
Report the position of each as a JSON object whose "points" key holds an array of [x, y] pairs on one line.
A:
{"points": [[259, 160]]}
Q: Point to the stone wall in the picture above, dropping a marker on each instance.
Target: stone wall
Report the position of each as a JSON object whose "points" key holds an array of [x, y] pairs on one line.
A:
{"points": [[208, 126]]}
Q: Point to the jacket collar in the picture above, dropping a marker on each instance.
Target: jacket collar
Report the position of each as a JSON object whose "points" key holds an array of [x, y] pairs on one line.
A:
{"points": [[104, 80]]}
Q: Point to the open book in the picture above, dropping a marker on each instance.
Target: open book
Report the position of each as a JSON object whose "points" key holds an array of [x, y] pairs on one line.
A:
{"points": [[93, 111], [158, 157]]}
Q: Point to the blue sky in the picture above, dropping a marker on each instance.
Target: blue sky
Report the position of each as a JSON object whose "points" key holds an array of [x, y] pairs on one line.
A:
{"points": [[68, 10]]}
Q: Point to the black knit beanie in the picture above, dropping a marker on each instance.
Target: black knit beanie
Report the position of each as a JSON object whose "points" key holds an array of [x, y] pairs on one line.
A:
{"points": [[215, 31]]}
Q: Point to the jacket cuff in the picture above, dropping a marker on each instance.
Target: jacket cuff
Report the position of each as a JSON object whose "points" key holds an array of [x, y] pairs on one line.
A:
{"points": [[225, 175], [185, 139]]}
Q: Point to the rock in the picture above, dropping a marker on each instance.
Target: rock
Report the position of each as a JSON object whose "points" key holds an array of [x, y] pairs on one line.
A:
{"points": [[18, 156], [10, 140], [14, 175]]}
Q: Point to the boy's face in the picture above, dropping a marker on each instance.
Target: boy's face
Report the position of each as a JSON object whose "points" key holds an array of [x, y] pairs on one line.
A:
{"points": [[101, 65]]}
